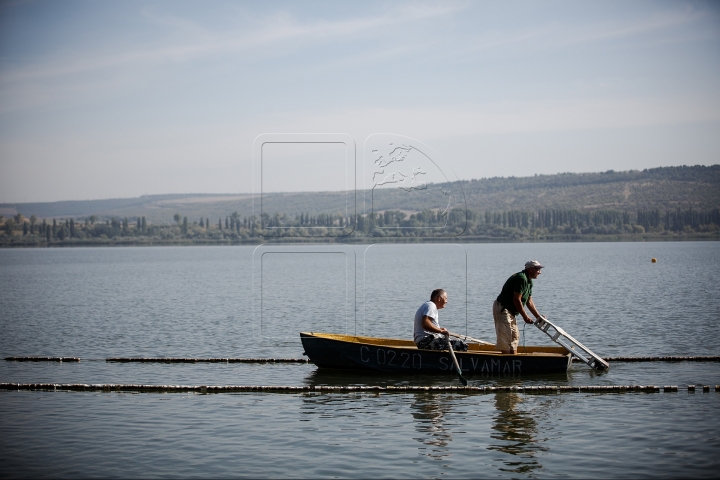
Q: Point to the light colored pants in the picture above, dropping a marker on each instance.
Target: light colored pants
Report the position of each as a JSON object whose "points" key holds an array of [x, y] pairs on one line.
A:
{"points": [[508, 334]]}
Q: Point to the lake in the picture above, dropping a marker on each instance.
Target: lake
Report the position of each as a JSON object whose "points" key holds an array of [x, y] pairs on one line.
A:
{"points": [[95, 303]]}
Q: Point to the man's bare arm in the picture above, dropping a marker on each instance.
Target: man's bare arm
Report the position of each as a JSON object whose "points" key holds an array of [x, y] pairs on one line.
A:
{"points": [[531, 307], [517, 300], [430, 327]]}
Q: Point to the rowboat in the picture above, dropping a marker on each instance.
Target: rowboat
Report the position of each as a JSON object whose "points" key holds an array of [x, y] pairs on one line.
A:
{"points": [[393, 355]]}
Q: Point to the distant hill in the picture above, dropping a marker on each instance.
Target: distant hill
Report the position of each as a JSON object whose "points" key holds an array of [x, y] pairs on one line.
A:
{"points": [[663, 188]]}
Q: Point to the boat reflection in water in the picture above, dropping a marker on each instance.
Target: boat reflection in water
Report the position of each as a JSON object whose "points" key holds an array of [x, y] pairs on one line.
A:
{"points": [[429, 414], [516, 431], [503, 424]]}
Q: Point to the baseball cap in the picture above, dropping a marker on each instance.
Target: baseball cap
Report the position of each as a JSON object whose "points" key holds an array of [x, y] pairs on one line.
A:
{"points": [[533, 264]]}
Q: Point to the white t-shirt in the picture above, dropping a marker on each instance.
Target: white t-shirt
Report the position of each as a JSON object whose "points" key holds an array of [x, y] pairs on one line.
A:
{"points": [[426, 309]]}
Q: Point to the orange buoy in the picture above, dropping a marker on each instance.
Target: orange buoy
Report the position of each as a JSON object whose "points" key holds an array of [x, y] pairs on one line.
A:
{"points": [[654, 260]]}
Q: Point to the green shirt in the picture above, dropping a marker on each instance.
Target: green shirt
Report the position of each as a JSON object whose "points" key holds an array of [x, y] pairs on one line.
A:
{"points": [[518, 283]]}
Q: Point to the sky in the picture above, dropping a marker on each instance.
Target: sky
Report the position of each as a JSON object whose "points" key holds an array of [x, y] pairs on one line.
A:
{"points": [[121, 99]]}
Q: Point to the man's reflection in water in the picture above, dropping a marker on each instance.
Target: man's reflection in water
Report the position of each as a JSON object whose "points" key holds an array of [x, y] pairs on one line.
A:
{"points": [[429, 413], [517, 432]]}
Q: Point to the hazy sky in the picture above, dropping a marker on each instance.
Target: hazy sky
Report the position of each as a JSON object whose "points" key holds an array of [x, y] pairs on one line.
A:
{"points": [[118, 99]]}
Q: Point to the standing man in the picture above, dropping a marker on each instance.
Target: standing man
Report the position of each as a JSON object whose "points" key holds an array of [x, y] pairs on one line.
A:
{"points": [[428, 334], [516, 293]]}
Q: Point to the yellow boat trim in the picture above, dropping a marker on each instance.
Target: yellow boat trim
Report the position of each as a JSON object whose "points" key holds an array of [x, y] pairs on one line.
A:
{"points": [[472, 347]]}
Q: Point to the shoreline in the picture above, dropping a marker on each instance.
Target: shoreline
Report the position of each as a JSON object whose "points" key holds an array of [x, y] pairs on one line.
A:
{"points": [[561, 238]]}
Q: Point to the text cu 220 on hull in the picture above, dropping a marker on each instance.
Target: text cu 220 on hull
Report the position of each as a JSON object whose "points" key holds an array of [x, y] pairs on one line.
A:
{"points": [[350, 352]]}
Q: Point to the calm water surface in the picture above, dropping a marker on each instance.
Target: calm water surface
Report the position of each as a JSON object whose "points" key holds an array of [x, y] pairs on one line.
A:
{"points": [[238, 302]]}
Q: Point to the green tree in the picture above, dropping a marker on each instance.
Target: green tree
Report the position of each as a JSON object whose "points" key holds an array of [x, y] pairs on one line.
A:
{"points": [[177, 218], [144, 225], [9, 226], [185, 225]]}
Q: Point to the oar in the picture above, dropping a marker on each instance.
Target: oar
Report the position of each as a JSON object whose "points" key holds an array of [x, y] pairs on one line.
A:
{"points": [[471, 339], [457, 366]]}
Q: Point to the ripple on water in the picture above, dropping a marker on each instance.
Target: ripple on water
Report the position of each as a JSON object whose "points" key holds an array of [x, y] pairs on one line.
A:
{"points": [[120, 435], [98, 303]]}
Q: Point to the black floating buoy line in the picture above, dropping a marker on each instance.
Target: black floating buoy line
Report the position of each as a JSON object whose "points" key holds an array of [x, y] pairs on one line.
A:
{"points": [[712, 358], [208, 360], [42, 359], [537, 389], [162, 360]]}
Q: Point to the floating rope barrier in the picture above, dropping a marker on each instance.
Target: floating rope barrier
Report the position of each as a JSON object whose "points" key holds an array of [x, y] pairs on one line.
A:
{"points": [[714, 358], [42, 359], [538, 389], [208, 360]]}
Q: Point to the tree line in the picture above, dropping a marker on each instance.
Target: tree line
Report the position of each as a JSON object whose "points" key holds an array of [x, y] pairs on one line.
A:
{"points": [[543, 222], [510, 224]]}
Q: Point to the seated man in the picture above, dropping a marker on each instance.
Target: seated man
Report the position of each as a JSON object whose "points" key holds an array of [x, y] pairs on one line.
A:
{"points": [[427, 333]]}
